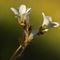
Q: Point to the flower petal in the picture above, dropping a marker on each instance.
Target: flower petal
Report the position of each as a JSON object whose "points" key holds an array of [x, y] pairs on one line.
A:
{"points": [[22, 9], [28, 10], [14, 11], [45, 30], [55, 24], [45, 20], [43, 14], [32, 34], [49, 18]]}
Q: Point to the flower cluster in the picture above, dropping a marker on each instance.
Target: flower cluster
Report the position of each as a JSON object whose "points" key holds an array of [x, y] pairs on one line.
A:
{"points": [[23, 18]]}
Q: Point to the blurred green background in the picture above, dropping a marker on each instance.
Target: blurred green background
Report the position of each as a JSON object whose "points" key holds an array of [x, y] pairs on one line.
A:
{"points": [[45, 47]]}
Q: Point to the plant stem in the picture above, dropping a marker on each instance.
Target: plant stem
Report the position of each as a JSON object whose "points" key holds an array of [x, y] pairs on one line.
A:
{"points": [[23, 45]]}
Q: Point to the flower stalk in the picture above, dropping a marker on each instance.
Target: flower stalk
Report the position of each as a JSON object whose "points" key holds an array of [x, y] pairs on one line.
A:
{"points": [[29, 33]]}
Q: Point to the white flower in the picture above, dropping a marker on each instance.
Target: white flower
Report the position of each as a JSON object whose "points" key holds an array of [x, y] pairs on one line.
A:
{"points": [[23, 12], [47, 22]]}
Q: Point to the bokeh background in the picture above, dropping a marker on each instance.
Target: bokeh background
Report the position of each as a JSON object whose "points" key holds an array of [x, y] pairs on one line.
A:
{"points": [[45, 47]]}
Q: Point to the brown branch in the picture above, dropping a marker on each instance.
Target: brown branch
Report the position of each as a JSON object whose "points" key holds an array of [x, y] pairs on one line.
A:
{"points": [[23, 45], [21, 48], [14, 54]]}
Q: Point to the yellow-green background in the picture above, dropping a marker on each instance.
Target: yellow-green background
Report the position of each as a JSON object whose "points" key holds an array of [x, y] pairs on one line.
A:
{"points": [[45, 47]]}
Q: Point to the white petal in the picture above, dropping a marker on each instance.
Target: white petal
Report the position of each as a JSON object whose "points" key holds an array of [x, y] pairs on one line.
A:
{"points": [[46, 20], [14, 11], [49, 18], [43, 14], [32, 34], [22, 9], [55, 24], [45, 30], [26, 16], [28, 10]]}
